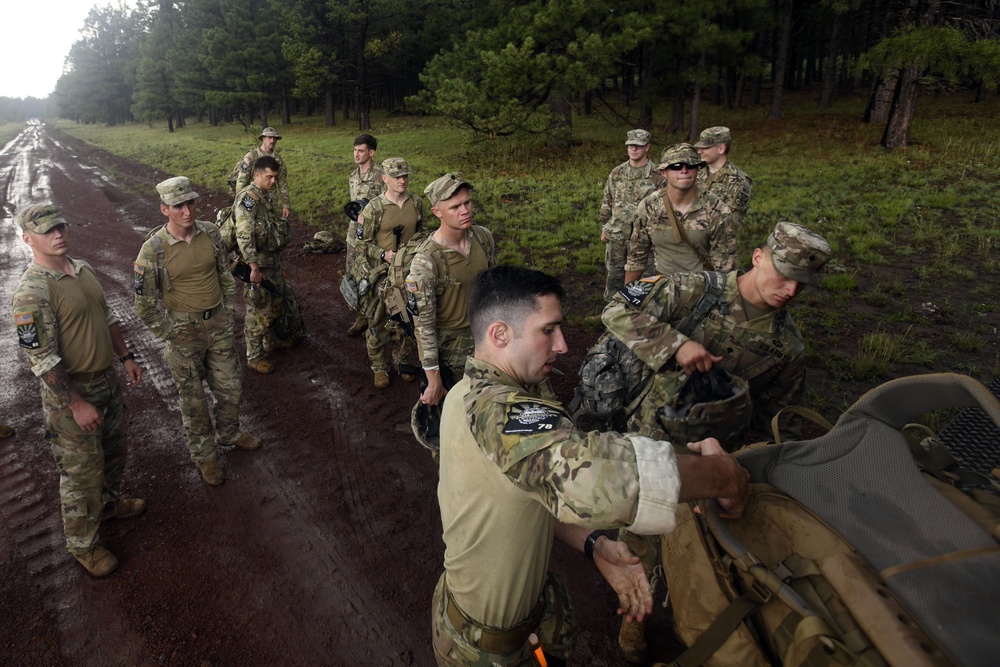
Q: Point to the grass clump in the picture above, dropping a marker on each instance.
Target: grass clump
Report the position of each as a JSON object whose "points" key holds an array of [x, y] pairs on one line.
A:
{"points": [[875, 352]]}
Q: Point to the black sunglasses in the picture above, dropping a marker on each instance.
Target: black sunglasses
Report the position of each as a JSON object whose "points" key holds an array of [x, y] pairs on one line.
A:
{"points": [[677, 166]]}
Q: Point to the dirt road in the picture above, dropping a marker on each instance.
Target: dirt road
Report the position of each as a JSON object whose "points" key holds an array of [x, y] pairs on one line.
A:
{"points": [[322, 548]]}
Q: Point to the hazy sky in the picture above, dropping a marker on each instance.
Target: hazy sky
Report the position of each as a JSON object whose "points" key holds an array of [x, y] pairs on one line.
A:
{"points": [[36, 41]]}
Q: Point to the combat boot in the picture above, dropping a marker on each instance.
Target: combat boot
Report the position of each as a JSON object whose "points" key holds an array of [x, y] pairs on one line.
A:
{"points": [[99, 562], [261, 365], [632, 639], [360, 324], [6, 431], [244, 441], [124, 508], [283, 344], [381, 380], [211, 473]]}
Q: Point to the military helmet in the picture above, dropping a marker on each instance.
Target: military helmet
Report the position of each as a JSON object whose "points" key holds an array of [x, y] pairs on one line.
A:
{"points": [[353, 208], [710, 405], [425, 421]]}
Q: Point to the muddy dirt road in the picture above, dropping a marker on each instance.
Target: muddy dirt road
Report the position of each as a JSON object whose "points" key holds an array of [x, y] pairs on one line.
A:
{"points": [[322, 548]]}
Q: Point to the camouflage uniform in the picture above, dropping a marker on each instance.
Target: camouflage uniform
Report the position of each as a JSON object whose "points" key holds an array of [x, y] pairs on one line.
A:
{"points": [[731, 185], [512, 463], [48, 305], [245, 176], [198, 348], [625, 188], [374, 237], [708, 225], [439, 302], [261, 234], [368, 185]]}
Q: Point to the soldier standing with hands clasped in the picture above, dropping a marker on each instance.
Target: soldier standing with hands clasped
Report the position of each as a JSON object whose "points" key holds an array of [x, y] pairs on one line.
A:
{"points": [[71, 339]]}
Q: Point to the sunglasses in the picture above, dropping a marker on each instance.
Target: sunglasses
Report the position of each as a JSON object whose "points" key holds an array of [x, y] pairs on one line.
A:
{"points": [[678, 166]]}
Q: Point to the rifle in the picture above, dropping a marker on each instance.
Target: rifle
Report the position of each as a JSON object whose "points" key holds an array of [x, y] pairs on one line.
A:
{"points": [[242, 271], [447, 379], [397, 231]]}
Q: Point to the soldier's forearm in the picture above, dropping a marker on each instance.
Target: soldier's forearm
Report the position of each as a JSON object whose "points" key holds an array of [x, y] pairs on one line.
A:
{"points": [[57, 380]]}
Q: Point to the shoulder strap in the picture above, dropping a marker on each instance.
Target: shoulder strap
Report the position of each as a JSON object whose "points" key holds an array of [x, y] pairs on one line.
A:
{"points": [[715, 284], [485, 240], [162, 277], [679, 234]]}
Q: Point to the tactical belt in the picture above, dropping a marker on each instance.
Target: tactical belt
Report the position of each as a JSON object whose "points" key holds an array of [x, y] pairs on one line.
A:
{"points": [[198, 314], [88, 377], [492, 640]]}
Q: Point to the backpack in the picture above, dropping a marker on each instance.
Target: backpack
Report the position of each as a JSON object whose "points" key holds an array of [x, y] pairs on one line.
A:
{"points": [[225, 220], [394, 286], [857, 547], [234, 176], [613, 380]]}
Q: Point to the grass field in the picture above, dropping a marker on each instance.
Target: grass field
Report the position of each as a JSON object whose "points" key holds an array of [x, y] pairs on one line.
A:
{"points": [[913, 284]]}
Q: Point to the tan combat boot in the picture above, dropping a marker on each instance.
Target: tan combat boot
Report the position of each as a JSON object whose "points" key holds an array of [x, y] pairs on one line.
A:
{"points": [[99, 562], [381, 380], [261, 365], [244, 441], [124, 508], [211, 473], [360, 324], [632, 639], [6, 431]]}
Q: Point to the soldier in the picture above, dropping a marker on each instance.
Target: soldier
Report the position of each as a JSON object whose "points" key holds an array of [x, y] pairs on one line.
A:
{"points": [[442, 272], [268, 140], [628, 184], [366, 183], [688, 228], [184, 264], [721, 177], [515, 473], [272, 322], [747, 331], [388, 221], [71, 339]]}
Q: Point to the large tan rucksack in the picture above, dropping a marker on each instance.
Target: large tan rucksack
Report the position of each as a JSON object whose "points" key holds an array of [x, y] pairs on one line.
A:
{"points": [[850, 552]]}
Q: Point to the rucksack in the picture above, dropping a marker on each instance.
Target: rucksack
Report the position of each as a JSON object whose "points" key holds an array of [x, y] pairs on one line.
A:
{"points": [[225, 220], [613, 380], [856, 548]]}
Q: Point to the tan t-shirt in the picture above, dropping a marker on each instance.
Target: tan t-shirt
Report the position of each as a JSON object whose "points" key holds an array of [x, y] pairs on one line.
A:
{"points": [[453, 304], [193, 276], [392, 216]]}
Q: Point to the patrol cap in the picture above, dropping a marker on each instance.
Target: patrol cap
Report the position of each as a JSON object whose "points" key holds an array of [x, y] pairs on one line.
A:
{"points": [[176, 190], [445, 187], [713, 136], [395, 167], [40, 218], [637, 138], [680, 154], [798, 253], [268, 132]]}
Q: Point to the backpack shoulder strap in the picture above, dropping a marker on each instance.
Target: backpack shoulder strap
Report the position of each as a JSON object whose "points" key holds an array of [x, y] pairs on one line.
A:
{"points": [[162, 277], [485, 239], [715, 284]]}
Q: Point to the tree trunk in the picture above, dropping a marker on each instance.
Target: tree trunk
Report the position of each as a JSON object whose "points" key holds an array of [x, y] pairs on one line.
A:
{"points": [[695, 106], [904, 107], [881, 99], [677, 110], [561, 130], [781, 60], [329, 108], [830, 70], [170, 122], [263, 116], [982, 92], [286, 107]]}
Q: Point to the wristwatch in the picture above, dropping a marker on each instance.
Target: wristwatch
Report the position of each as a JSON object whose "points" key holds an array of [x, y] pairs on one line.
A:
{"points": [[588, 546], [128, 357]]}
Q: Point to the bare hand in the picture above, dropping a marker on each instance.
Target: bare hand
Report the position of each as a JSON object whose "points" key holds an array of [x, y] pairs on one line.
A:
{"points": [[435, 391], [692, 356], [623, 571], [256, 277], [285, 212], [134, 372], [388, 255], [604, 237], [733, 501], [87, 417]]}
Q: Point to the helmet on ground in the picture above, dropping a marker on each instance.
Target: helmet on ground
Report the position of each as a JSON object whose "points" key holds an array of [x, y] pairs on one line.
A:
{"points": [[710, 405]]}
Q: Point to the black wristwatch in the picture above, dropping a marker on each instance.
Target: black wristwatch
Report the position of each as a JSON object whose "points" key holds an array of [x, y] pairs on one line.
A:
{"points": [[128, 357], [588, 546]]}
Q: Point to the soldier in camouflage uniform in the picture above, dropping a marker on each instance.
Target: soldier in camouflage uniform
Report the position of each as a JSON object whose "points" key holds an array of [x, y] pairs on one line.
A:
{"points": [[184, 264], [71, 339], [748, 332], [400, 210], [515, 473], [272, 322], [629, 183], [268, 140], [704, 236], [720, 176], [442, 272], [365, 182]]}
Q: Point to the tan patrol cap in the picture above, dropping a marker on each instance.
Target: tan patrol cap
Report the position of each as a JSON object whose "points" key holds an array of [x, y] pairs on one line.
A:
{"points": [[799, 254], [445, 187], [176, 190], [40, 218]]}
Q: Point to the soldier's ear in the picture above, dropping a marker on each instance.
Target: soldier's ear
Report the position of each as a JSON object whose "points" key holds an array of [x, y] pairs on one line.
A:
{"points": [[758, 255], [165, 210], [498, 334]]}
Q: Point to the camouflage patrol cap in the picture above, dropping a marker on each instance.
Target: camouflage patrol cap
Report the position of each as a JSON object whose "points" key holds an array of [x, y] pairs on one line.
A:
{"points": [[40, 218], [713, 136], [176, 190], [445, 187], [680, 154], [268, 132], [798, 253], [637, 138], [395, 167]]}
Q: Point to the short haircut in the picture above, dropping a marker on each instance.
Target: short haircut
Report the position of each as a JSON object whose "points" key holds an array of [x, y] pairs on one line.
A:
{"points": [[266, 162], [368, 140], [508, 293]]}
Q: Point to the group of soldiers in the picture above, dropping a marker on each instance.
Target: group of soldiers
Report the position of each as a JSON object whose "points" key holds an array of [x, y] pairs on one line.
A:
{"points": [[516, 471]]}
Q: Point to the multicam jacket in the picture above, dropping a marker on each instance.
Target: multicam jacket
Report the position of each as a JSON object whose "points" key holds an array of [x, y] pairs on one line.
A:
{"points": [[708, 225], [261, 233], [767, 352], [731, 185], [625, 188], [245, 176], [367, 185]]}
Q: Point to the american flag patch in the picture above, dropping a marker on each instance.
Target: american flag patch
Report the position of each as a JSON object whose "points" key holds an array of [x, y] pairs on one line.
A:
{"points": [[21, 319]]}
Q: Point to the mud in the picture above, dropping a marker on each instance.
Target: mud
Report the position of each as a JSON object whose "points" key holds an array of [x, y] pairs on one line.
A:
{"points": [[322, 548]]}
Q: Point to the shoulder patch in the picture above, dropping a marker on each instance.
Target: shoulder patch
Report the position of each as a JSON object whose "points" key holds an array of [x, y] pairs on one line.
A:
{"points": [[248, 203], [139, 278], [27, 331], [411, 286], [529, 417], [636, 291]]}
